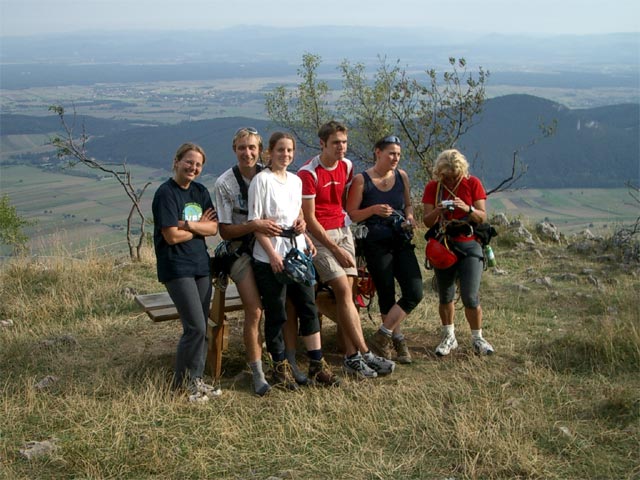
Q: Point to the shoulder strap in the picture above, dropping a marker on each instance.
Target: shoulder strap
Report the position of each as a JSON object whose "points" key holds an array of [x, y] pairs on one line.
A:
{"points": [[244, 191], [438, 193]]}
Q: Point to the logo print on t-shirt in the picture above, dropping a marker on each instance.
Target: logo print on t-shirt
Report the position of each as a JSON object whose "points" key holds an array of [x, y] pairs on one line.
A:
{"points": [[192, 212]]}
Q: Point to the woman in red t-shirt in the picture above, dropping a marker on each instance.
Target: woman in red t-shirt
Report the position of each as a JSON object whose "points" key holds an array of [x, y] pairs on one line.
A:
{"points": [[454, 195]]}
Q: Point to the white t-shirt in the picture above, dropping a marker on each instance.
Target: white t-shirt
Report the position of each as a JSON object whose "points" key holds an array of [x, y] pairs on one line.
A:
{"points": [[229, 203], [279, 201]]}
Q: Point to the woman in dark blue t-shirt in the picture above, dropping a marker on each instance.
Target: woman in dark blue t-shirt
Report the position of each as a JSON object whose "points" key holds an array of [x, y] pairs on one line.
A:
{"points": [[380, 198], [183, 216]]}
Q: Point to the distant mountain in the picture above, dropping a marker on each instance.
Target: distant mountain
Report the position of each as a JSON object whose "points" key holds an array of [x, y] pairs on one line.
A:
{"points": [[598, 147], [251, 43], [13, 124]]}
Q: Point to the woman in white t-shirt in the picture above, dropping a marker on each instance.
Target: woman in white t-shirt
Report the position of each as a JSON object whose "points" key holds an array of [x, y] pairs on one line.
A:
{"points": [[276, 194]]}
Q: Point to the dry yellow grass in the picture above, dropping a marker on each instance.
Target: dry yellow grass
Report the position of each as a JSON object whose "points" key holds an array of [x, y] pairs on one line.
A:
{"points": [[558, 400]]}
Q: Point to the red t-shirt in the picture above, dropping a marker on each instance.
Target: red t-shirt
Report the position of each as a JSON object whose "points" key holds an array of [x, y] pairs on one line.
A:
{"points": [[469, 190], [327, 187]]}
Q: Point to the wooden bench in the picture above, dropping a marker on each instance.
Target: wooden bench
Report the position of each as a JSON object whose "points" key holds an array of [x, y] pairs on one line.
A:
{"points": [[160, 308]]}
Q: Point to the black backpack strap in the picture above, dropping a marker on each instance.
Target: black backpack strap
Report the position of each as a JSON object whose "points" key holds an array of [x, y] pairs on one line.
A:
{"points": [[244, 191]]}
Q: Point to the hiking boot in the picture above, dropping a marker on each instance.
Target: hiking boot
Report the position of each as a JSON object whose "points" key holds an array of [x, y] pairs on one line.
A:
{"points": [[381, 344], [381, 365], [299, 376], [282, 376], [482, 347], [320, 374], [197, 386], [358, 367], [402, 349], [447, 344], [262, 389]]}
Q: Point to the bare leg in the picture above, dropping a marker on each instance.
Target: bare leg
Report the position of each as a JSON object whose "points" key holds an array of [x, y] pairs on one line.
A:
{"points": [[347, 315], [447, 313], [312, 342], [474, 317], [392, 319], [252, 314]]}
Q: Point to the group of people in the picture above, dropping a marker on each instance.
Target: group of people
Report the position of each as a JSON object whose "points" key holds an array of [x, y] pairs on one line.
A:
{"points": [[261, 213]]}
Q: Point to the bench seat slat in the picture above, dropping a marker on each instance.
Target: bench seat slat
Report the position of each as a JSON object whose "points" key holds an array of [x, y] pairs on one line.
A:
{"points": [[163, 314], [154, 301], [160, 308]]}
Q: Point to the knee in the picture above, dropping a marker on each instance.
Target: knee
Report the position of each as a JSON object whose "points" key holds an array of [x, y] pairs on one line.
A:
{"points": [[410, 301], [198, 330], [471, 301], [252, 316], [309, 326]]}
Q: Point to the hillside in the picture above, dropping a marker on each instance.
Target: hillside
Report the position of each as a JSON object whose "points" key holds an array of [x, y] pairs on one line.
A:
{"points": [[597, 147], [86, 375]]}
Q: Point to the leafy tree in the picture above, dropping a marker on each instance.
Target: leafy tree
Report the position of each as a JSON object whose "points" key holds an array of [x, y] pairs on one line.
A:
{"points": [[11, 226], [428, 115], [74, 148]]}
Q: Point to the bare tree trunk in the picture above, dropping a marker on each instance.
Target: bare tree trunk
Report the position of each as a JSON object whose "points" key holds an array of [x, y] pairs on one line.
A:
{"points": [[68, 146]]}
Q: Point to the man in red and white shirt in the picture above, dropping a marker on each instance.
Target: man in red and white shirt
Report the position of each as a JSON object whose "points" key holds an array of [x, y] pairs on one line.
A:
{"points": [[324, 181]]}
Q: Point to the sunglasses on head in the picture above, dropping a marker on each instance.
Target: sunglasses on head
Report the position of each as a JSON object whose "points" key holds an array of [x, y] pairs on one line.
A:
{"points": [[391, 139], [249, 130]]}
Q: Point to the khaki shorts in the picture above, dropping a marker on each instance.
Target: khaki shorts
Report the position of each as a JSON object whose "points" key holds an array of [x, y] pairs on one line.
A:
{"points": [[240, 268], [326, 264]]}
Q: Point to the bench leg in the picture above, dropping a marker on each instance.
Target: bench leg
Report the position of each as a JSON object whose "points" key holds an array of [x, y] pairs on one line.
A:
{"points": [[217, 334]]}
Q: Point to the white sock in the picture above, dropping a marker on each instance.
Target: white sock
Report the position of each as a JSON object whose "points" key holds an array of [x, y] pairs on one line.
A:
{"points": [[385, 330], [447, 330], [476, 333]]}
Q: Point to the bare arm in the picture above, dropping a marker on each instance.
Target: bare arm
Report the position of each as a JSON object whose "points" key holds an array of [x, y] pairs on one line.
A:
{"points": [[354, 200], [229, 231], [320, 234], [431, 214], [275, 259], [408, 206], [479, 215], [185, 231]]}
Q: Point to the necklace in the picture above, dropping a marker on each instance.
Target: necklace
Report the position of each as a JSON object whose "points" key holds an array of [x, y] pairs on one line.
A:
{"points": [[384, 179]]}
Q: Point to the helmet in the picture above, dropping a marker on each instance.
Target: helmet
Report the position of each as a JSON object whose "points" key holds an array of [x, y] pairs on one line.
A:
{"points": [[220, 265], [439, 255], [298, 267]]}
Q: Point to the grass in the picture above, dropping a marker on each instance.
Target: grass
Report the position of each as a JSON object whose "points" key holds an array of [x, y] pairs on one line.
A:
{"points": [[558, 400]]}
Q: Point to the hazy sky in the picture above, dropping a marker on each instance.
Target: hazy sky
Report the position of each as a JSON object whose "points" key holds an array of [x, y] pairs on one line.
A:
{"points": [[26, 17]]}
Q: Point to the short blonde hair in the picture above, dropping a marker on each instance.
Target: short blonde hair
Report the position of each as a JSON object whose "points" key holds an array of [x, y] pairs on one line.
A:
{"points": [[246, 132], [450, 163]]}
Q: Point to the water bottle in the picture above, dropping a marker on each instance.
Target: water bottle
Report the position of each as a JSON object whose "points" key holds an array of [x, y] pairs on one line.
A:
{"points": [[491, 258]]}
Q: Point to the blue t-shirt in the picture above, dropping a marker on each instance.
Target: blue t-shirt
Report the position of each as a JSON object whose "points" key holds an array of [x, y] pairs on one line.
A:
{"points": [[170, 204]]}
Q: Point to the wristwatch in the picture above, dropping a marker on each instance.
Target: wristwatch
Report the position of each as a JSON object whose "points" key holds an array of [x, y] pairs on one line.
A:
{"points": [[471, 209], [186, 226]]}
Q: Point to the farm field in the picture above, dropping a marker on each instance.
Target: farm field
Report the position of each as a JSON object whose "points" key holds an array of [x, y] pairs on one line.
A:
{"points": [[82, 211], [571, 210]]}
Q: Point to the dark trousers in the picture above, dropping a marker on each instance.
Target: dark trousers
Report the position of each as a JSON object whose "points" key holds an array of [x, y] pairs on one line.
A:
{"points": [[192, 298], [274, 301], [389, 260], [468, 268]]}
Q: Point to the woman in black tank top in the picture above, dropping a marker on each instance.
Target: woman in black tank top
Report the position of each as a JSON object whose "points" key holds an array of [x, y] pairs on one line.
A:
{"points": [[380, 199]]}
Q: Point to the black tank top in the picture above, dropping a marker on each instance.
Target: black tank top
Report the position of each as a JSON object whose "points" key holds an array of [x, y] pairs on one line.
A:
{"points": [[381, 227]]}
